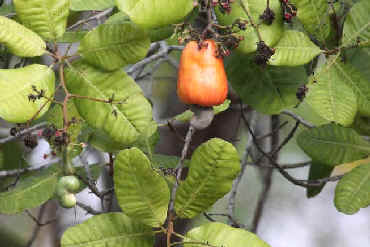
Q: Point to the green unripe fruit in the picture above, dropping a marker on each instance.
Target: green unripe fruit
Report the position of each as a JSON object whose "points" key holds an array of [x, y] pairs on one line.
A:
{"points": [[68, 200], [69, 183]]}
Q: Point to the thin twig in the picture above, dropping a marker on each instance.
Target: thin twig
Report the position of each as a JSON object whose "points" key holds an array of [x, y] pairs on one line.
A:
{"points": [[23, 132], [12, 173], [36, 230], [37, 221], [97, 16], [88, 209], [298, 118], [234, 189]]}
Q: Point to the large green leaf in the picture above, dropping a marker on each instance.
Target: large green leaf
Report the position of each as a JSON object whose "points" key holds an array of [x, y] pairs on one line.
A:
{"points": [[307, 113], [294, 49], [212, 169], [333, 145], [357, 25], [362, 125], [314, 16], [31, 191], [123, 122], [267, 89], [141, 192], [112, 46], [353, 190], [84, 5], [155, 34], [269, 33], [48, 18], [219, 234], [317, 171], [71, 37], [359, 58], [16, 86], [150, 14], [11, 156], [109, 230], [331, 95], [20, 40]]}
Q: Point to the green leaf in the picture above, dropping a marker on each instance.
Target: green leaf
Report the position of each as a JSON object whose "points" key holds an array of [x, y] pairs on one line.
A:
{"points": [[188, 114], [31, 191], [271, 34], [20, 40], [84, 5], [307, 113], [141, 192], [155, 34], [114, 46], [359, 58], [72, 37], [333, 145], [213, 167], [356, 28], [11, 156], [109, 230], [331, 95], [317, 171], [16, 86], [361, 125], [220, 234], [124, 121], [294, 49], [267, 89], [150, 14], [95, 171], [314, 16], [48, 18], [149, 139], [352, 192]]}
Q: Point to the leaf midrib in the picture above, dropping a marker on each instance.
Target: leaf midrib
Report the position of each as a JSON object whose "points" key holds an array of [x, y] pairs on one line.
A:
{"points": [[351, 145]]}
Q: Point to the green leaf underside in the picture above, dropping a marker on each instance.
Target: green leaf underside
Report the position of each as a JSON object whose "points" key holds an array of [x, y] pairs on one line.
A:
{"points": [[317, 171], [108, 230], [268, 90], [31, 191], [314, 16], [16, 86], [20, 40], [84, 5], [331, 95], [333, 145], [293, 49], [353, 190], [141, 192], [113, 46], [48, 18], [123, 122], [71, 37], [305, 110], [270, 33], [219, 234], [150, 14], [356, 28], [212, 169]]}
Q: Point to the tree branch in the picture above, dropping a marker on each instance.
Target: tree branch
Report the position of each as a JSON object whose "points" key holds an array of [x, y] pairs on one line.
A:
{"points": [[298, 118], [23, 132], [88, 209]]}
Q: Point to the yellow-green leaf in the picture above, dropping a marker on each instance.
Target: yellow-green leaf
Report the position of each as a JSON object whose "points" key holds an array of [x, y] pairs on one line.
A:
{"points": [[16, 86]]}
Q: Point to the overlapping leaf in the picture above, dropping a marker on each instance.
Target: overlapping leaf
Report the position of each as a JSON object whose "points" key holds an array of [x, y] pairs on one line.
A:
{"points": [[16, 85], [11, 156], [331, 93], [109, 230], [268, 90], [293, 49], [212, 169], [150, 14], [314, 16], [269, 33], [352, 192], [333, 145], [32, 190], [20, 40], [141, 192], [123, 121], [48, 18], [219, 234], [356, 28], [112, 46], [84, 5], [317, 171]]}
